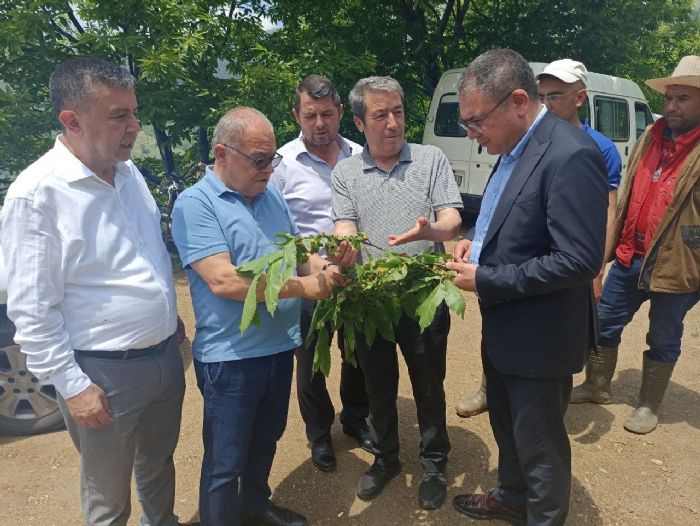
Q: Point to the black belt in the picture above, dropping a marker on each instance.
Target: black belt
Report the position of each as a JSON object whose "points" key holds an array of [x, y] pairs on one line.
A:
{"points": [[129, 354]]}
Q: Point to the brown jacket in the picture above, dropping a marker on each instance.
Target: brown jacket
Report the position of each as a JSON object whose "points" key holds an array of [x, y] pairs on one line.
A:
{"points": [[672, 263]]}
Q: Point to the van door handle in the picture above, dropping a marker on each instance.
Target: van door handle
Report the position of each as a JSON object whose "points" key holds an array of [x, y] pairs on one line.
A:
{"points": [[480, 149], [627, 150]]}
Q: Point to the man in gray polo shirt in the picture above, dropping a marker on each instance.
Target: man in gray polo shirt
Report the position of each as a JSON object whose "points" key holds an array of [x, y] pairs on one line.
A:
{"points": [[399, 193], [304, 178]]}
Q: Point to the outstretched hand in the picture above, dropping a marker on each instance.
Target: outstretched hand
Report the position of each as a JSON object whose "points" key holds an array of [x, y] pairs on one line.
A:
{"points": [[420, 231]]}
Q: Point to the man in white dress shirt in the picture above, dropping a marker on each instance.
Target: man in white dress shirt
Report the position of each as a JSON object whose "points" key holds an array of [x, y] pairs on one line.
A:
{"points": [[304, 178], [92, 296]]}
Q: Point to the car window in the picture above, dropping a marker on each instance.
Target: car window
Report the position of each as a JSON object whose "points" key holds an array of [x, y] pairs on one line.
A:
{"points": [[612, 118], [642, 117], [446, 118]]}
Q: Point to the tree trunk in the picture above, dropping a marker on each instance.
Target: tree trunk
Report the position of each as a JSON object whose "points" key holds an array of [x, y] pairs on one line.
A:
{"points": [[166, 152]]}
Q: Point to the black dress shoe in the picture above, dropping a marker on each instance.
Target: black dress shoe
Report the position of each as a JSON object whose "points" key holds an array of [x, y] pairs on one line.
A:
{"points": [[322, 455], [363, 436], [487, 507], [275, 516], [372, 482], [432, 491]]}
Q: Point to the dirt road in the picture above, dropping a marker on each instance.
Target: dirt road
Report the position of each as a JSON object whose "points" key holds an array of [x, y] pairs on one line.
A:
{"points": [[618, 478]]}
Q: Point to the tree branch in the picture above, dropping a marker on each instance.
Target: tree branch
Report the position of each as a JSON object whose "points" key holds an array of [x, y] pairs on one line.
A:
{"points": [[60, 31], [459, 22], [75, 21], [442, 25]]}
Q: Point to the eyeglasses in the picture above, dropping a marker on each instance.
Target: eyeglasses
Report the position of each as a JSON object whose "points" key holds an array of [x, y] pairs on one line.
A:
{"points": [[260, 163], [555, 96], [474, 126]]}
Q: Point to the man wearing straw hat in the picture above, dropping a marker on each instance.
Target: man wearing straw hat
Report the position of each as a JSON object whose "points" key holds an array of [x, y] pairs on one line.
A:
{"points": [[657, 255]]}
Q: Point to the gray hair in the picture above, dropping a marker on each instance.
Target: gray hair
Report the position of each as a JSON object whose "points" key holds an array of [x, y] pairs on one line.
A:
{"points": [[71, 84], [234, 123], [317, 87], [359, 91], [496, 73]]}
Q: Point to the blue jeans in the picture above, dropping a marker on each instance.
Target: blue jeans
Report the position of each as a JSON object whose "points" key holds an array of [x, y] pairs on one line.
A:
{"points": [[622, 299], [245, 413]]}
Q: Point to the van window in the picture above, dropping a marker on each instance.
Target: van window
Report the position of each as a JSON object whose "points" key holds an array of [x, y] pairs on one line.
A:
{"points": [[446, 118], [642, 117], [612, 118]]}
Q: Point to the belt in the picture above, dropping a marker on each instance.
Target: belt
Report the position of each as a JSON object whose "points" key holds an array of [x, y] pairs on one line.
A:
{"points": [[129, 354]]}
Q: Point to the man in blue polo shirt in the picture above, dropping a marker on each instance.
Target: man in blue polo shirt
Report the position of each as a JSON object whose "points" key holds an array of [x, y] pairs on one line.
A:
{"points": [[228, 218]]}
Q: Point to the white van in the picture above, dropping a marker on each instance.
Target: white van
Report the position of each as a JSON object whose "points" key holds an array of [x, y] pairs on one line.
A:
{"points": [[620, 111]]}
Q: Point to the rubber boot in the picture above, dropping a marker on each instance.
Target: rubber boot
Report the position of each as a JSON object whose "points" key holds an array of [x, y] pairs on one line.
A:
{"points": [[655, 378], [474, 404], [600, 369]]}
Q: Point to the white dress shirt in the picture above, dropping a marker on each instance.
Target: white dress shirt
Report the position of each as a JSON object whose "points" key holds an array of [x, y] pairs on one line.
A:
{"points": [[88, 267], [305, 182]]}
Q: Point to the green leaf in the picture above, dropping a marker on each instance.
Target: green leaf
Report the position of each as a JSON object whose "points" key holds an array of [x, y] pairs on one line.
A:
{"points": [[250, 306], [322, 355], [369, 330], [385, 327], [273, 285], [256, 266], [349, 344], [426, 310], [454, 298]]}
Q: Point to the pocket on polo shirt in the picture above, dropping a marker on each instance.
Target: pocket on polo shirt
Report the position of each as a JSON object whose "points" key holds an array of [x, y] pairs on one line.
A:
{"points": [[691, 235]]}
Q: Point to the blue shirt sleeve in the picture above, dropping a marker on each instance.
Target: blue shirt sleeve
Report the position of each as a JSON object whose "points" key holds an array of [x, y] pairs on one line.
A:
{"points": [[196, 230], [613, 162]]}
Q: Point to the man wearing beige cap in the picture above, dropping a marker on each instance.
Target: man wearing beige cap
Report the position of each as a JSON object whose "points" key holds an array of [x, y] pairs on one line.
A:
{"points": [[657, 254], [562, 88]]}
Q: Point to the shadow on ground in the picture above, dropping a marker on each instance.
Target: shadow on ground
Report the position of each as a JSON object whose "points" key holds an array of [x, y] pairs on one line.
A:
{"points": [[329, 498]]}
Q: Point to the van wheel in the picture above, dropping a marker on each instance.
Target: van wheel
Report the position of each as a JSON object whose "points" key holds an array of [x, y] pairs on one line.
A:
{"points": [[27, 405]]}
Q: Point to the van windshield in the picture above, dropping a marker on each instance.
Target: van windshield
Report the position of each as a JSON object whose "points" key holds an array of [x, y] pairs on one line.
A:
{"points": [[446, 118]]}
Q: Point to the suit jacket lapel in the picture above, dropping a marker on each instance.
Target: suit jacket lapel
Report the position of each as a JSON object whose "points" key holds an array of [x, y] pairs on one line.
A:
{"points": [[524, 167]]}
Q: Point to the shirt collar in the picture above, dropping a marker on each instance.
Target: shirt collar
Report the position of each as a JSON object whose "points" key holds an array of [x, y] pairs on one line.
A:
{"points": [[73, 168], [299, 146], [661, 131], [368, 163], [516, 152], [219, 188], [216, 184]]}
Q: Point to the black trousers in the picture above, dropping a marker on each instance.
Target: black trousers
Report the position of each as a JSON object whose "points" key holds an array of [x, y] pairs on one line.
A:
{"points": [[534, 454], [425, 355], [315, 404]]}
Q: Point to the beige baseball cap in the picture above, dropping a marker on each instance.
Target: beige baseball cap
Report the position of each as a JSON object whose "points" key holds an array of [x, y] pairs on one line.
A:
{"points": [[566, 70]]}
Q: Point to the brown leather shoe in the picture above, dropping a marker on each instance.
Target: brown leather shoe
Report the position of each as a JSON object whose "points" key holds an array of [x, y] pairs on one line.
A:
{"points": [[480, 506]]}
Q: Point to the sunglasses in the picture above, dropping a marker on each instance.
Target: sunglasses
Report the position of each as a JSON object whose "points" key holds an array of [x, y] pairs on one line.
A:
{"points": [[259, 163]]}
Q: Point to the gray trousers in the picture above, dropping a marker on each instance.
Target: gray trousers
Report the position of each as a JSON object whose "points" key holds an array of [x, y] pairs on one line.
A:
{"points": [[145, 399]]}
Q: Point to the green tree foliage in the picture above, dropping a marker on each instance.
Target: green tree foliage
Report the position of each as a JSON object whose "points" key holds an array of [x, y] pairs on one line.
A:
{"points": [[176, 47]]}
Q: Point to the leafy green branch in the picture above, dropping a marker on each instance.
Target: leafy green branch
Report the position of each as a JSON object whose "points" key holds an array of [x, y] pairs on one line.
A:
{"points": [[380, 291]]}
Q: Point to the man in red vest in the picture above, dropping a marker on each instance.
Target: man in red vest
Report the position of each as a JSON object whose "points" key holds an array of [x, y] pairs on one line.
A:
{"points": [[657, 255]]}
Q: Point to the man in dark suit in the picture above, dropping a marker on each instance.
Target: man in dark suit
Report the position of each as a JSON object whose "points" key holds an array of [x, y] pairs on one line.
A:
{"points": [[538, 243]]}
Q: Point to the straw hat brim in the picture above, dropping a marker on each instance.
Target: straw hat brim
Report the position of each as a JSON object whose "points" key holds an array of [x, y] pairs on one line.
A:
{"points": [[683, 80]]}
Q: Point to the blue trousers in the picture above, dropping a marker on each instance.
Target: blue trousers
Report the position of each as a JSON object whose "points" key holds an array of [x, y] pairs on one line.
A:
{"points": [[245, 413], [622, 299]]}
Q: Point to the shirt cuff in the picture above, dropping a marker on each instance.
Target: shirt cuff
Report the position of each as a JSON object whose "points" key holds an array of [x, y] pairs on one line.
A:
{"points": [[70, 380]]}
